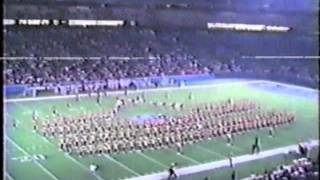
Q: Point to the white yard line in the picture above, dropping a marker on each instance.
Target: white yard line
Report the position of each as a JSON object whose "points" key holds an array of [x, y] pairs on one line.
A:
{"points": [[209, 151], [83, 166], [225, 162], [26, 153], [9, 176], [151, 159], [66, 155], [74, 160], [185, 157], [122, 165], [17, 158]]}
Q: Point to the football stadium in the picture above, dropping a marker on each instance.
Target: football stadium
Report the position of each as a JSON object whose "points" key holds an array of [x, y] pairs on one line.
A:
{"points": [[32, 154], [156, 90]]}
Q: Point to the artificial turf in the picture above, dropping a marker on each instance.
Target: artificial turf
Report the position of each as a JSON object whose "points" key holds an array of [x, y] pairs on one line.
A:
{"points": [[21, 141]]}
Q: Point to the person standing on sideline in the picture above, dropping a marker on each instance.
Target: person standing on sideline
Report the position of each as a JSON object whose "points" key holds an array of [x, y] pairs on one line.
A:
{"points": [[77, 96], [234, 175], [190, 97], [256, 145], [230, 160], [98, 97], [172, 173]]}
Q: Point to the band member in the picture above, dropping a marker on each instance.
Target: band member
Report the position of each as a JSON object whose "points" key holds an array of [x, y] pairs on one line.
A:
{"points": [[14, 124], [166, 95], [179, 147], [54, 110], [35, 127], [90, 91], [98, 98], [229, 139], [230, 101], [126, 91], [143, 97], [190, 97], [271, 132], [77, 96], [93, 167], [34, 115]]}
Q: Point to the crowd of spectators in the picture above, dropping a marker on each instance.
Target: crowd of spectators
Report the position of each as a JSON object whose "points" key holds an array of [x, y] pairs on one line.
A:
{"points": [[177, 38], [175, 63], [178, 51], [300, 169]]}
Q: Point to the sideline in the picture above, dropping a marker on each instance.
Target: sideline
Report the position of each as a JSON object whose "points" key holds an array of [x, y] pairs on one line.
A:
{"points": [[225, 163], [132, 91], [244, 82]]}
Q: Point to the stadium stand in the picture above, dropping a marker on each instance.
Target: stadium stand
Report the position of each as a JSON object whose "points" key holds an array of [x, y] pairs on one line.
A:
{"points": [[302, 168], [26, 71]]}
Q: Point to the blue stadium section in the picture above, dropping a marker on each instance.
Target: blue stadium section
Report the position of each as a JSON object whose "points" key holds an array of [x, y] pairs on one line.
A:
{"points": [[14, 90]]}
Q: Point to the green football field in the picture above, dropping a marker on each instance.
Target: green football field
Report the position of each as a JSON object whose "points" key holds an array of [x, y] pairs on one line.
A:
{"points": [[21, 142]]}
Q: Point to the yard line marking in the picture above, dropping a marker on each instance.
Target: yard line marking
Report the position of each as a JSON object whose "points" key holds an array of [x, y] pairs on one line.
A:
{"points": [[74, 160], [83, 166], [45, 139], [9, 176], [151, 159], [16, 158], [209, 151], [122, 165], [26, 153], [66, 155], [186, 157]]}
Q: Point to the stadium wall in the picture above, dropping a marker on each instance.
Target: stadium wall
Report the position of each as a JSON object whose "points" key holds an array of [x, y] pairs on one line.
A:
{"points": [[14, 90], [113, 84], [217, 83], [145, 83]]}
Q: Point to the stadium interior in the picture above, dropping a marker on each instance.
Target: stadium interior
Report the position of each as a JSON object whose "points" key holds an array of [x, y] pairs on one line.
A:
{"points": [[155, 90]]}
